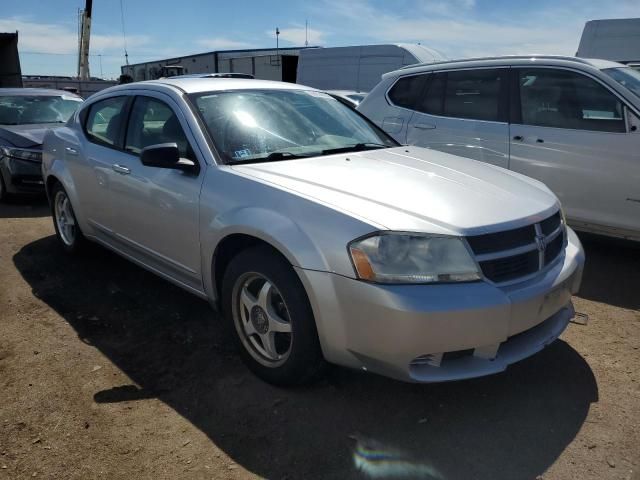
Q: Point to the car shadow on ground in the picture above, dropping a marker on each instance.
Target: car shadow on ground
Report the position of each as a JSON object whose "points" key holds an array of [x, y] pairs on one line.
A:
{"points": [[24, 207], [350, 425], [612, 271]]}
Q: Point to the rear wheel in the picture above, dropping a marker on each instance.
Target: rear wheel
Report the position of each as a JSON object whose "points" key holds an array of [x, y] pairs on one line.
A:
{"points": [[270, 317], [64, 221]]}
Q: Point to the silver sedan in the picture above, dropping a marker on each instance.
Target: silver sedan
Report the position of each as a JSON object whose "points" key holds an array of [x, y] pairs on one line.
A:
{"points": [[317, 235]]}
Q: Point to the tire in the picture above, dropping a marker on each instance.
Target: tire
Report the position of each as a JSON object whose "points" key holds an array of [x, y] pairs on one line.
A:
{"points": [[3, 189], [67, 229], [261, 293]]}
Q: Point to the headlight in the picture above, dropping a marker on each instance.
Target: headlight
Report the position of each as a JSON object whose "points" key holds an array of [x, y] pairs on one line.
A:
{"points": [[23, 154], [412, 258]]}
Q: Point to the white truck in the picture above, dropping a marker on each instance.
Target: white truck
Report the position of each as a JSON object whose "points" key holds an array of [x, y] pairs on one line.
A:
{"points": [[358, 68], [617, 40]]}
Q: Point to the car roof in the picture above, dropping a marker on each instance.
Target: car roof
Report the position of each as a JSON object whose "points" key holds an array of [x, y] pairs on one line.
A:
{"points": [[215, 75], [36, 92], [555, 60], [199, 84], [345, 92]]}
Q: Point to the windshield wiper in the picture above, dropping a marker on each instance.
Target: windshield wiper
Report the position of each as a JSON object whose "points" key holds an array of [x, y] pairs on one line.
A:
{"points": [[358, 147], [272, 157]]}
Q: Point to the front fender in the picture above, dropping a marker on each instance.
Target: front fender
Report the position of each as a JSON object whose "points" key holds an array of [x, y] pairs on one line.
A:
{"points": [[279, 231]]}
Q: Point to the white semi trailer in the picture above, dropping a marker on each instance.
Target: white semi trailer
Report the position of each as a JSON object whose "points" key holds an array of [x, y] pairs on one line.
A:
{"points": [[358, 68], [617, 40]]}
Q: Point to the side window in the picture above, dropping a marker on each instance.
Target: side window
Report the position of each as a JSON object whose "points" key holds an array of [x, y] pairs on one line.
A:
{"points": [[564, 99], [407, 91], [104, 120], [433, 100], [152, 122], [474, 94]]}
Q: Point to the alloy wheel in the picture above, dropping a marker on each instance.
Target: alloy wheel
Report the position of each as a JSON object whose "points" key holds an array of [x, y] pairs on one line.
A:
{"points": [[262, 320], [65, 219]]}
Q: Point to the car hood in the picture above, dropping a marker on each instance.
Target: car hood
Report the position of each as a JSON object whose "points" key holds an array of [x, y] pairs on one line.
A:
{"points": [[413, 189], [26, 136]]}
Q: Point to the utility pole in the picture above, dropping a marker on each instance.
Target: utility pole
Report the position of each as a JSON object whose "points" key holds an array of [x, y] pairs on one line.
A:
{"points": [[85, 34], [79, 38], [306, 33], [124, 35]]}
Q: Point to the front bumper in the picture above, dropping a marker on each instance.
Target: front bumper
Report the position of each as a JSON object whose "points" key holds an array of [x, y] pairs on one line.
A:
{"points": [[21, 176], [432, 333]]}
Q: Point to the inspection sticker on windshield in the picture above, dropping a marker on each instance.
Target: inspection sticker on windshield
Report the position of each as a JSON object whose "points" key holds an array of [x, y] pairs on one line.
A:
{"points": [[242, 153]]}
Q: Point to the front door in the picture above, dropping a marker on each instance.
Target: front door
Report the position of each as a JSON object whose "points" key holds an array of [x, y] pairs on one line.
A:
{"points": [[572, 135], [158, 208], [464, 113]]}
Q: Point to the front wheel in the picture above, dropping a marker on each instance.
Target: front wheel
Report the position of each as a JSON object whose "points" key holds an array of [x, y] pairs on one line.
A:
{"points": [[64, 221], [270, 317]]}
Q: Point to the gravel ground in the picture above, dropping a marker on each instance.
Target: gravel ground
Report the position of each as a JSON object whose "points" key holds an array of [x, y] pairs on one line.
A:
{"points": [[109, 372]]}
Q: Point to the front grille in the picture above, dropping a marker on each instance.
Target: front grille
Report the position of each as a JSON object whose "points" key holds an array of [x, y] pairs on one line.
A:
{"points": [[553, 249], [509, 268], [550, 225], [496, 242], [512, 254]]}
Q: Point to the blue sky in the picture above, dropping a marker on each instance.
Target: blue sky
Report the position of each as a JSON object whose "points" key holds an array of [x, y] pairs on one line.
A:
{"points": [[166, 28]]}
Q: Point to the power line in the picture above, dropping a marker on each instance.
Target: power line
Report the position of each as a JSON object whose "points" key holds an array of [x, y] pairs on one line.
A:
{"points": [[91, 54]]}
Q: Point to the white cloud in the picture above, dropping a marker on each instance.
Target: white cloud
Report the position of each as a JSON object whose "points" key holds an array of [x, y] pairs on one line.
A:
{"points": [[458, 29], [222, 43], [297, 35], [446, 7], [55, 38]]}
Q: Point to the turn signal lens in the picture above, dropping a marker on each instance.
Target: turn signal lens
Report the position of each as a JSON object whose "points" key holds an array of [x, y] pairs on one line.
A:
{"points": [[363, 267]]}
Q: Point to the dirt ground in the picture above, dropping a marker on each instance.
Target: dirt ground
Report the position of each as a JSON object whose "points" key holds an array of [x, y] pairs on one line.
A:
{"points": [[109, 372]]}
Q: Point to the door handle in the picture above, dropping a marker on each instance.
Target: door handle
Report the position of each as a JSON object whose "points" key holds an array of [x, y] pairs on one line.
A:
{"points": [[519, 138], [539, 140], [423, 126], [120, 169], [71, 151]]}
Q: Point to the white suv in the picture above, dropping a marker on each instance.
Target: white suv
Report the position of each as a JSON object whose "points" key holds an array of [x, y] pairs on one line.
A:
{"points": [[571, 123]]}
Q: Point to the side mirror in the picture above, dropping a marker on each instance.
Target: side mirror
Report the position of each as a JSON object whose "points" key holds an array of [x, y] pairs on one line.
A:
{"points": [[166, 155]]}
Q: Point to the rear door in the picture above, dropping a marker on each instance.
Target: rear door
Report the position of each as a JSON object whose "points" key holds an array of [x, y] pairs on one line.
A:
{"points": [[400, 105], [464, 112], [574, 134], [91, 160]]}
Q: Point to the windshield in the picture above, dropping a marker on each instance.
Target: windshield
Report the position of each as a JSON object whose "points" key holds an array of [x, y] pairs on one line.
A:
{"points": [[626, 76], [23, 110], [265, 125]]}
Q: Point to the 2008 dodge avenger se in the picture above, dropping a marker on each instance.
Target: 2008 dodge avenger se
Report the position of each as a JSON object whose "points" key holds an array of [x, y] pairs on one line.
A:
{"points": [[321, 239]]}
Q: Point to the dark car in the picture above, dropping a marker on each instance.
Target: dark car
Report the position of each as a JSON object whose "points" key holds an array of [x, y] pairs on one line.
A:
{"points": [[25, 115]]}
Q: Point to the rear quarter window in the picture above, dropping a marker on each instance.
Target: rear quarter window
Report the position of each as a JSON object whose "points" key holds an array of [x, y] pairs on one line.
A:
{"points": [[407, 91]]}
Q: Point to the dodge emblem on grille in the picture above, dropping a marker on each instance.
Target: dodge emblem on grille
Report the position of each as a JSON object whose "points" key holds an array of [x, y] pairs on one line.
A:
{"points": [[540, 242]]}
